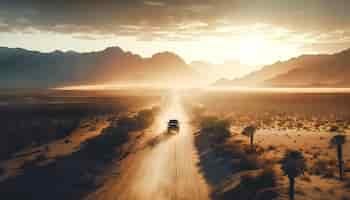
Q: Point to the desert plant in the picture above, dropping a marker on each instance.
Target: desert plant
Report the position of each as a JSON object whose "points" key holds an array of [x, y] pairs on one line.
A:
{"points": [[217, 129], [249, 162], [323, 167], [103, 146], [339, 140], [293, 165], [250, 131], [265, 178]]}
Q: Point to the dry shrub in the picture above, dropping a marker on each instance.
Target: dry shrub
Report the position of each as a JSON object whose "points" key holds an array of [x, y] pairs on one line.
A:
{"points": [[271, 148], [112, 137], [323, 167], [141, 120], [249, 162], [331, 191], [238, 141], [306, 178], [257, 185], [259, 150], [217, 129], [267, 194], [264, 179], [318, 189], [300, 192]]}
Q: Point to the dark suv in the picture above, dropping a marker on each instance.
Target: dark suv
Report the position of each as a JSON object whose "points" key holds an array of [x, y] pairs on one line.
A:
{"points": [[173, 124]]}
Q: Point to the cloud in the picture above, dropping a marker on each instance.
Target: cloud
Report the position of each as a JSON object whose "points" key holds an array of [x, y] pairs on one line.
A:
{"points": [[174, 20], [108, 15], [154, 3], [327, 42]]}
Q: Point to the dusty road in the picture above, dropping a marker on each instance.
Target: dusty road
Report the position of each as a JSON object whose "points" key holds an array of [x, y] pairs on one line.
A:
{"points": [[165, 170]]}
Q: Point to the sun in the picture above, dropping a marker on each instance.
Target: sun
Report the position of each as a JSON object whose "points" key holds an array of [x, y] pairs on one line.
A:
{"points": [[253, 49], [257, 49]]}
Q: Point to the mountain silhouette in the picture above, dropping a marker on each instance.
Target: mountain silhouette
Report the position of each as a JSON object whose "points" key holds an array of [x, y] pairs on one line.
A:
{"points": [[325, 70], [20, 68]]}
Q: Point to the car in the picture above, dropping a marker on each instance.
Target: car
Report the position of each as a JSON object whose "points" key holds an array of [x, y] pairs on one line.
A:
{"points": [[173, 125]]}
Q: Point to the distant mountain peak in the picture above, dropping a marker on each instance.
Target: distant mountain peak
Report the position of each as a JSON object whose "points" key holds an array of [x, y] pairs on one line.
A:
{"points": [[322, 70], [20, 68], [168, 56], [345, 52], [57, 52], [113, 50]]}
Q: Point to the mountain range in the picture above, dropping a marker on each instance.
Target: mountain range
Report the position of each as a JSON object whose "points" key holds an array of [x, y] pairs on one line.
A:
{"points": [[325, 70], [20, 68]]}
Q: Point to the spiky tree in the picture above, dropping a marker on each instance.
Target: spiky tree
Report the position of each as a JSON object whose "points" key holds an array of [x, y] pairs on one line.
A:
{"points": [[293, 165], [250, 131], [338, 141]]}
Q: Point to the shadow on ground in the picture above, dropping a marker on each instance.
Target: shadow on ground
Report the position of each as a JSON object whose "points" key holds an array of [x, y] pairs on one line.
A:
{"points": [[75, 175], [232, 172], [69, 177]]}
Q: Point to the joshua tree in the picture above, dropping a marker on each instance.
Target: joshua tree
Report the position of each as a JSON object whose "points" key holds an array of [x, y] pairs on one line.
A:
{"points": [[339, 140], [250, 131], [293, 165]]}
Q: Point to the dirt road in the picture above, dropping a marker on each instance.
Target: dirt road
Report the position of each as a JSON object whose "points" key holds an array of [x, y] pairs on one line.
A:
{"points": [[166, 169]]}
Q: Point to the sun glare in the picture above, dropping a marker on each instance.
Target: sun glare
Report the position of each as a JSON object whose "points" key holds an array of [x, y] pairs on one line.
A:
{"points": [[257, 49], [253, 49]]}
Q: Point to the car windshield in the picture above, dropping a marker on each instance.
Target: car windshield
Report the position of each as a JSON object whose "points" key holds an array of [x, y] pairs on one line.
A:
{"points": [[173, 121]]}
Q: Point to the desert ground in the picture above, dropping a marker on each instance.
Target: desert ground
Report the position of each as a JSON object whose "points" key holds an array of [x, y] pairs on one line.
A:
{"points": [[115, 144], [284, 121]]}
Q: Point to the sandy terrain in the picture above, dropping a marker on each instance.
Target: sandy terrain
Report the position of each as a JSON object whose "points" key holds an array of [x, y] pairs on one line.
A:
{"points": [[317, 183], [54, 149], [191, 164]]}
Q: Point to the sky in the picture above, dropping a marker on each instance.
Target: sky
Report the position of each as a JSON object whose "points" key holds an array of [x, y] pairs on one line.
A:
{"points": [[254, 32]]}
